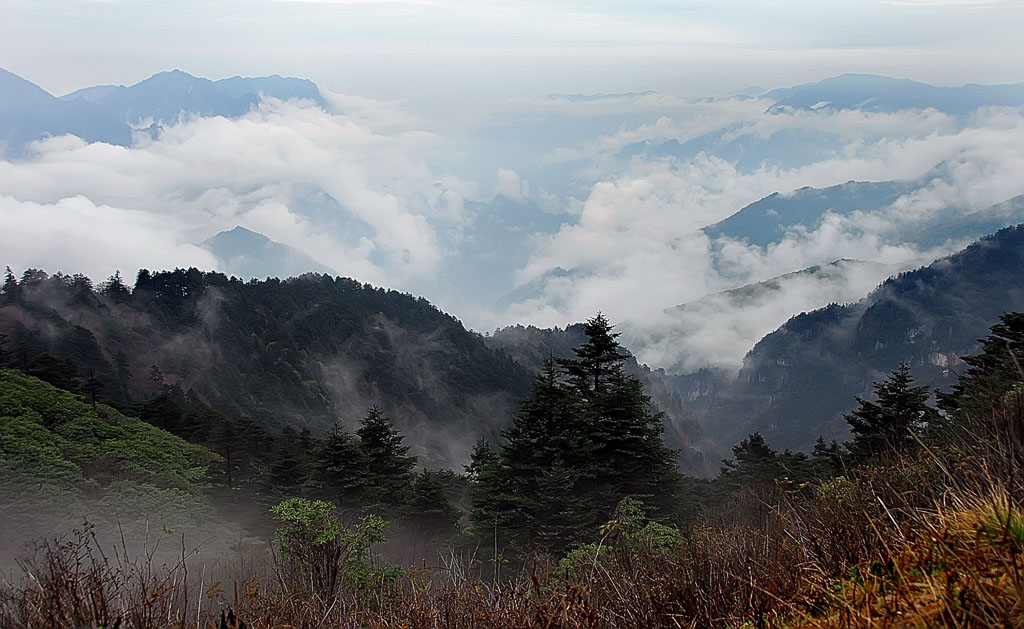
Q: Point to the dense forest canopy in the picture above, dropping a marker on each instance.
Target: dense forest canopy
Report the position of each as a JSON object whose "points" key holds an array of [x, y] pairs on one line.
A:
{"points": [[306, 352]]}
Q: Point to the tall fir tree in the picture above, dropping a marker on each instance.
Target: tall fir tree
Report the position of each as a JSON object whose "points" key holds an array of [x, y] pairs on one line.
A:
{"points": [[597, 360], [990, 374], [288, 471], [388, 464], [341, 467], [585, 438], [893, 421], [10, 291]]}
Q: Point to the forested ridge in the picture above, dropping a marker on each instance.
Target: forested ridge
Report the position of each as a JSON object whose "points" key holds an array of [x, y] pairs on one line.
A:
{"points": [[304, 352], [573, 516]]}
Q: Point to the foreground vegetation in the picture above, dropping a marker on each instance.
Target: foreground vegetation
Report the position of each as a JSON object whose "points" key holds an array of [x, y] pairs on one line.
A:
{"points": [[919, 522]]}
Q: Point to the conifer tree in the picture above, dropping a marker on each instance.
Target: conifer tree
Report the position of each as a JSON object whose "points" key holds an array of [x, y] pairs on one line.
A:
{"points": [[585, 438], [891, 422], [429, 509], [990, 374], [388, 466], [341, 466], [10, 291], [623, 435], [115, 288], [487, 494], [288, 470], [597, 360]]}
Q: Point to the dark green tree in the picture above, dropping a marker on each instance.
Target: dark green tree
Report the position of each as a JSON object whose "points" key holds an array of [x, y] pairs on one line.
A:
{"points": [[10, 291], [487, 494], [597, 360], [388, 466], [621, 432], [543, 459], [156, 378], [585, 438], [341, 467], [224, 440], [754, 464], [999, 367], [122, 375], [826, 459], [429, 509], [115, 289], [288, 471], [891, 423]]}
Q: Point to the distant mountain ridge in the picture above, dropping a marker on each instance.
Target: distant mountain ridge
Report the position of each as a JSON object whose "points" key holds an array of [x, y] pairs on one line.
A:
{"points": [[869, 92], [109, 113], [769, 219], [28, 112]]}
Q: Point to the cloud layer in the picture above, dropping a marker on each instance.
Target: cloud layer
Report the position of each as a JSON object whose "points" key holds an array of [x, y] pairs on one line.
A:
{"points": [[638, 248], [144, 205], [368, 192]]}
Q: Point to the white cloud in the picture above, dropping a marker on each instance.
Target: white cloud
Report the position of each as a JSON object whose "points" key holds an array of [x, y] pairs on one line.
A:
{"points": [[204, 175], [637, 248], [511, 185], [75, 235]]}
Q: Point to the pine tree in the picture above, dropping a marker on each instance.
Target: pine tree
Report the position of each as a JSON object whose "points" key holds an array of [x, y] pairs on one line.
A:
{"points": [[341, 466], [623, 435], [10, 291], [544, 455], [429, 509], [115, 289], [892, 422], [990, 374], [224, 441], [629, 454], [486, 492], [597, 360], [288, 471], [585, 438], [388, 466]]}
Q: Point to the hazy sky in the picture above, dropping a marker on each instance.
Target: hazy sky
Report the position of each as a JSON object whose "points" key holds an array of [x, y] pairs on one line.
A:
{"points": [[452, 49]]}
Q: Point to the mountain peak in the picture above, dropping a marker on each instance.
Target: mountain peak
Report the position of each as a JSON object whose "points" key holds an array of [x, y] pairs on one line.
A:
{"points": [[247, 253]]}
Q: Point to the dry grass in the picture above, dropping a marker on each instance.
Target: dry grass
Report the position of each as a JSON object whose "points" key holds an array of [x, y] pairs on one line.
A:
{"points": [[933, 541]]}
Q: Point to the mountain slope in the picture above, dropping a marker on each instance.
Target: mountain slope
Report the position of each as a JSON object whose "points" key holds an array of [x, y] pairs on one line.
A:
{"points": [[61, 459], [767, 220], [28, 112], [797, 381], [718, 329], [307, 351]]}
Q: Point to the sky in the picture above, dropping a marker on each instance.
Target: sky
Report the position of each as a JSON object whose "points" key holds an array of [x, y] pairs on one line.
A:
{"points": [[435, 104], [440, 51]]}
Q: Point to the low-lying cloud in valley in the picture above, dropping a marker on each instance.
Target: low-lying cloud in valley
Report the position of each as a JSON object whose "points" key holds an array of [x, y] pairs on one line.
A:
{"points": [[147, 203], [379, 194], [638, 247]]}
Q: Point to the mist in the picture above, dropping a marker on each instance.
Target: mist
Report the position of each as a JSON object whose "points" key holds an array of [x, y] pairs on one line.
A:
{"points": [[373, 191]]}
